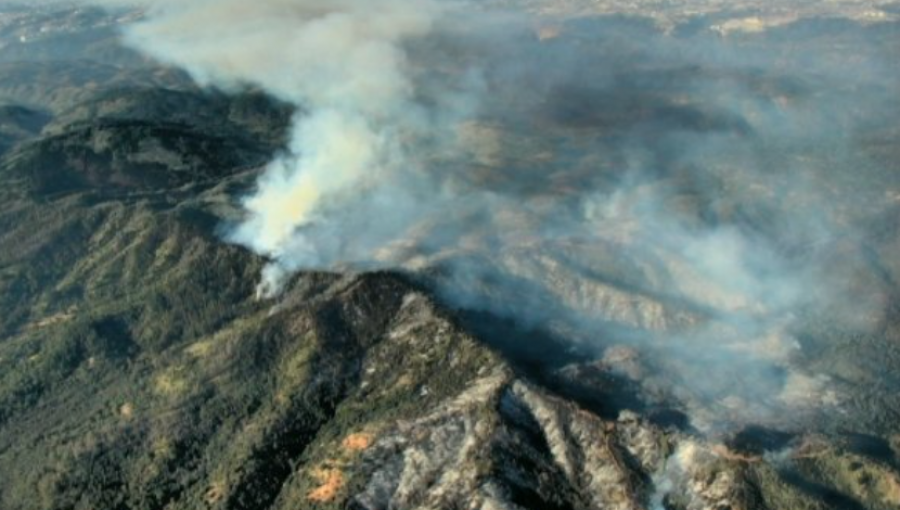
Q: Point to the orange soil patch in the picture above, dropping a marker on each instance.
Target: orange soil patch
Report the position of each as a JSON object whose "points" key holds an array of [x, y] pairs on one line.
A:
{"points": [[357, 442], [331, 481]]}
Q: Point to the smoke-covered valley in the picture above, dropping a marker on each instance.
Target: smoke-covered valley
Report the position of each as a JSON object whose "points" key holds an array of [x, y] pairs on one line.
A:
{"points": [[697, 203], [408, 254]]}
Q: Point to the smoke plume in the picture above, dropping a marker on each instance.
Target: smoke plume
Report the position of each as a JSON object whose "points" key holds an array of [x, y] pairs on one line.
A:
{"points": [[685, 198], [340, 62]]}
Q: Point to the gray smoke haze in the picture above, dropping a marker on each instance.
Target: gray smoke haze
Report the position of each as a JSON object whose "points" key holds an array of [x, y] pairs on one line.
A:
{"points": [[693, 201]]}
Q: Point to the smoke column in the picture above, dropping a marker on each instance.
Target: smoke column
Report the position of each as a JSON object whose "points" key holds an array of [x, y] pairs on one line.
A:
{"points": [[339, 61], [684, 199]]}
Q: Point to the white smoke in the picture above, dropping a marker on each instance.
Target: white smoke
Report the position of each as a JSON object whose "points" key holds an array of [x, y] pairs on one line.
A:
{"points": [[550, 184], [340, 61]]}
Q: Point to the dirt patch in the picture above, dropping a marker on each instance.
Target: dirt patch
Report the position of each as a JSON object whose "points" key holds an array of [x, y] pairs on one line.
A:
{"points": [[357, 442], [330, 481]]}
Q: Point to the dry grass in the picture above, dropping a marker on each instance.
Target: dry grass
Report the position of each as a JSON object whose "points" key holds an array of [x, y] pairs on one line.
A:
{"points": [[200, 349], [172, 382], [215, 493], [52, 320], [892, 489]]}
